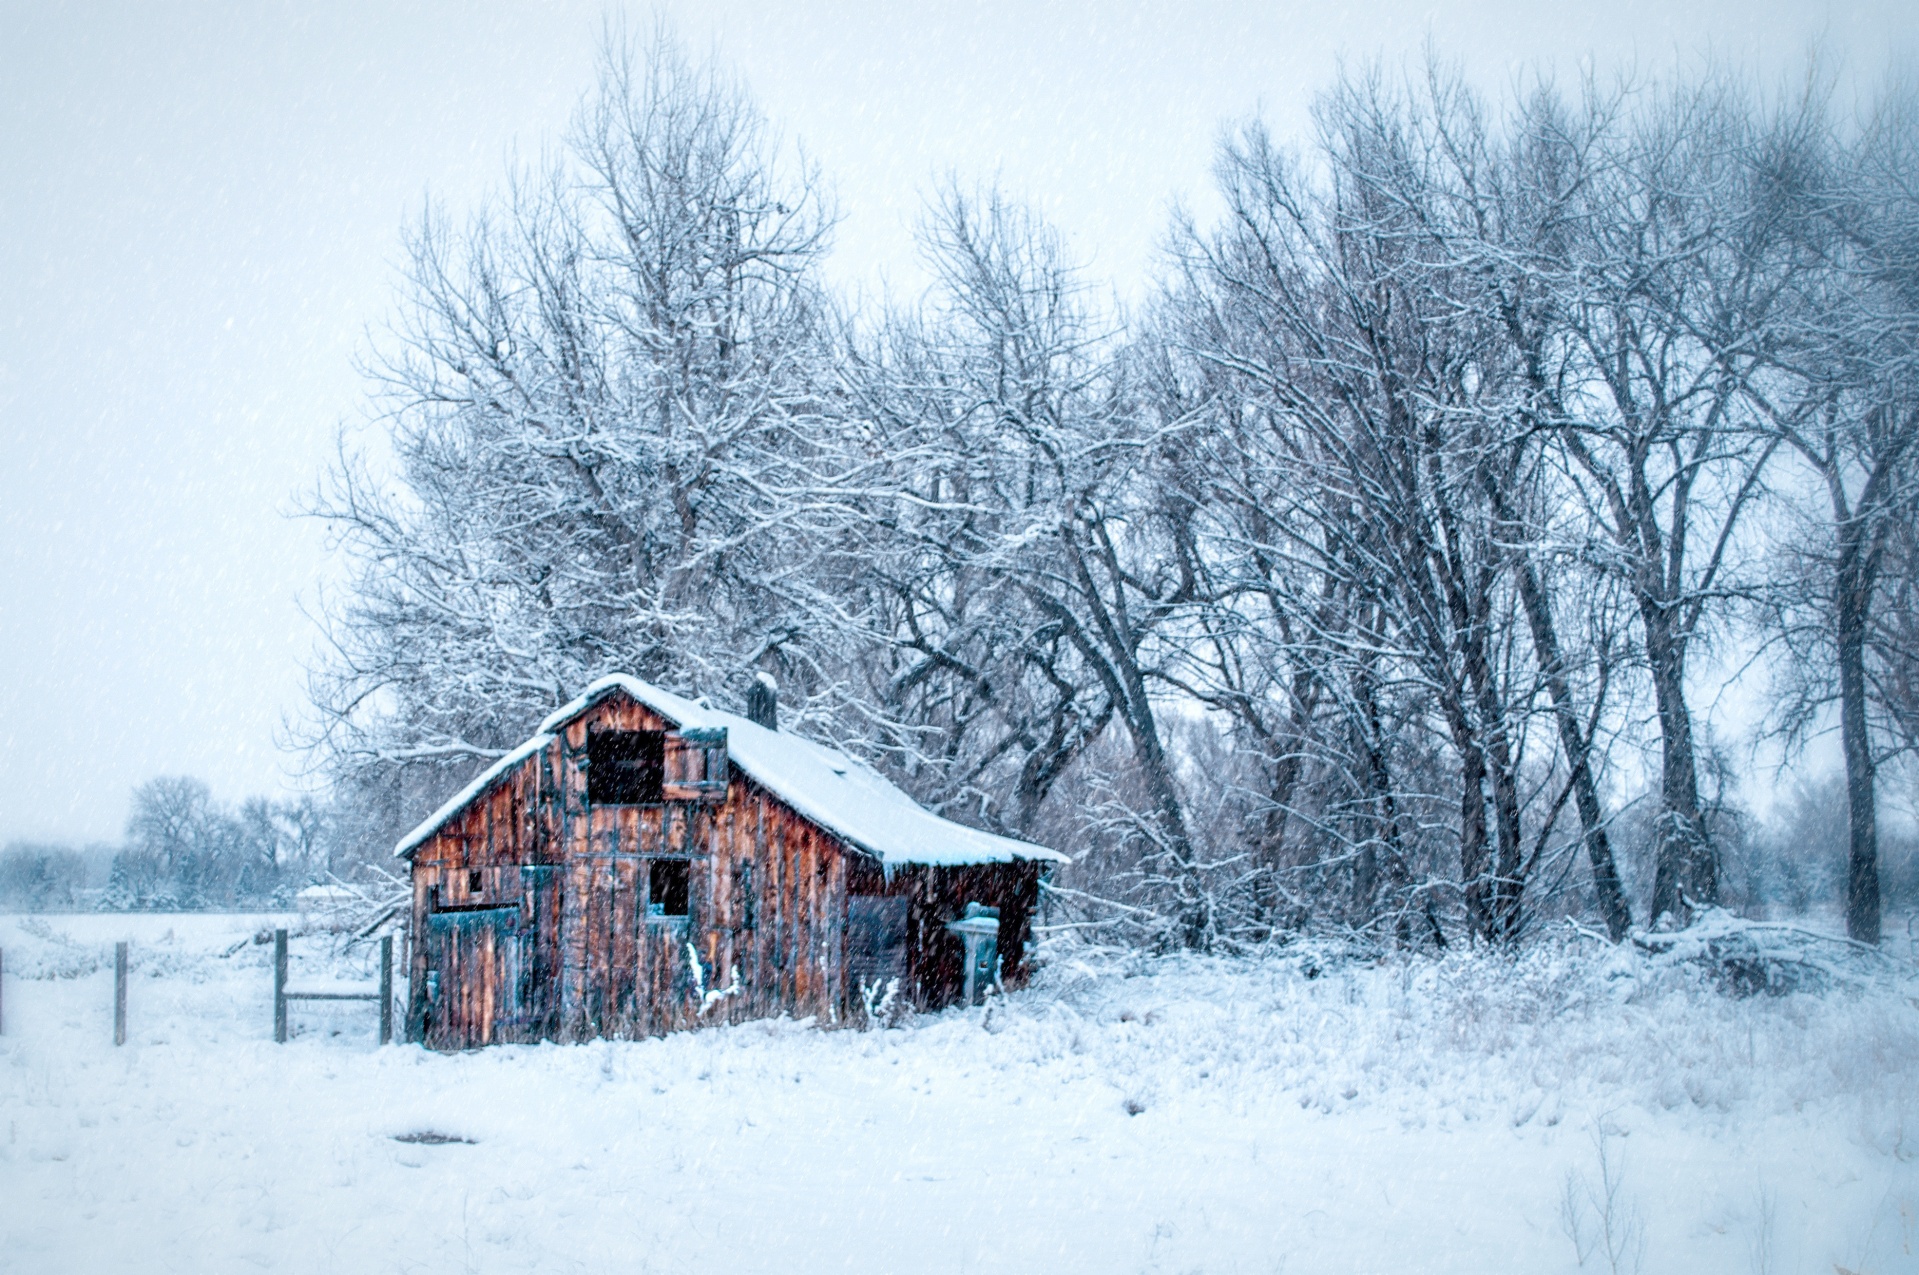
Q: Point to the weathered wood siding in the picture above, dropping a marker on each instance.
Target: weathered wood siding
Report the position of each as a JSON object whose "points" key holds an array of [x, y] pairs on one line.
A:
{"points": [[530, 909]]}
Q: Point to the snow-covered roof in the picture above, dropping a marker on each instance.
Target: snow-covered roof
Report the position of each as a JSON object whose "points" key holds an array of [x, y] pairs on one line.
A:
{"points": [[836, 791]]}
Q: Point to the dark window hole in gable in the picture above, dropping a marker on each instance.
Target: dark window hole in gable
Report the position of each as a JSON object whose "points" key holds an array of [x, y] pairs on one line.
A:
{"points": [[626, 767], [474, 882]]}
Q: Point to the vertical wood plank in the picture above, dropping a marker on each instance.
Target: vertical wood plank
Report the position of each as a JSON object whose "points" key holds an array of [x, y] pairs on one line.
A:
{"points": [[805, 910], [836, 933], [781, 871], [763, 997]]}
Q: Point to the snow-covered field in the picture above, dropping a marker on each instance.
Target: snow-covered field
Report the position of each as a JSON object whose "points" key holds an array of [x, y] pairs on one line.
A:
{"points": [[1179, 1116]]}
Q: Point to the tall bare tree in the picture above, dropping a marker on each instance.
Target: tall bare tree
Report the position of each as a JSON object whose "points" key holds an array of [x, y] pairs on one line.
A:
{"points": [[600, 401], [1645, 340], [1846, 401], [1025, 497], [1376, 417]]}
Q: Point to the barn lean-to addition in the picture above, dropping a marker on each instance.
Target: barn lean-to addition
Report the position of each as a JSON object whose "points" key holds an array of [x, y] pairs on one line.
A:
{"points": [[645, 864]]}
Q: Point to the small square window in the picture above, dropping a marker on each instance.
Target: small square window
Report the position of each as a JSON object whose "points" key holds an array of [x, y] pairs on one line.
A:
{"points": [[474, 881], [667, 889]]}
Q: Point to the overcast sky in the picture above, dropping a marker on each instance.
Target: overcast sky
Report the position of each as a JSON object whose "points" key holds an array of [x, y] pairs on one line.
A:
{"points": [[199, 210]]}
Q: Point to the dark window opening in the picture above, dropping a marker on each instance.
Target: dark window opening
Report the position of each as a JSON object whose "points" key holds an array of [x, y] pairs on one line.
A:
{"points": [[626, 767], [667, 888], [473, 882]]}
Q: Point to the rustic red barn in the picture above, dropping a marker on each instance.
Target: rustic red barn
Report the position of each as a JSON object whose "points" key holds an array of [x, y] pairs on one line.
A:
{"points": [[644, 863]]}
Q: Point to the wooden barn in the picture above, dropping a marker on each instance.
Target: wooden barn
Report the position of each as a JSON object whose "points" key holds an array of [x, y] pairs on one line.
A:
{"points": [[644, 864]]}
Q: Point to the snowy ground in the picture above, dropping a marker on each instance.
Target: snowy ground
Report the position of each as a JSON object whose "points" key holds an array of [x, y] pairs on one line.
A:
{"points": [[1175, 1116]]}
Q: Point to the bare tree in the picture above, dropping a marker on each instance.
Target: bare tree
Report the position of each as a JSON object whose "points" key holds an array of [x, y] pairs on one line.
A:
{"points": [[1375, 445], [977, 696], [1643, 345], [1846, 401], [1024, 480], [598, 400]]}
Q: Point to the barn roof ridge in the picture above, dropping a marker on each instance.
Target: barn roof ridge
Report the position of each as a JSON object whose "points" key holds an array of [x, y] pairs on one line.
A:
{"points": [[839, 792]]}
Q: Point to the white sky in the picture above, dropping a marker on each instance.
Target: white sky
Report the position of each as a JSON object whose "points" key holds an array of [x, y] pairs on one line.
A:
{"points": [[199, 207]]}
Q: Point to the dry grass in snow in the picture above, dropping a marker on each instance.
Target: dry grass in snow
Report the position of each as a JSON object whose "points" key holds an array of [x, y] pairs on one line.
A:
{"points": [[1574, 1108]]}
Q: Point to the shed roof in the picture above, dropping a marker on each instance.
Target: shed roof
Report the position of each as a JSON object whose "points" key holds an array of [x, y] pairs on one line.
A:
{"points": [[838, 792]]}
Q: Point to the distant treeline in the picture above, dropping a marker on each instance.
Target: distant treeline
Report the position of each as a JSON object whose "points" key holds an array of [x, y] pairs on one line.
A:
{"points": [[183, 850], [38, 877]]}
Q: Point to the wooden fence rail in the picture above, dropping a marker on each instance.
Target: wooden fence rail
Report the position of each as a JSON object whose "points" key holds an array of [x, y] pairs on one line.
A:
{"points": [[383, 997]]}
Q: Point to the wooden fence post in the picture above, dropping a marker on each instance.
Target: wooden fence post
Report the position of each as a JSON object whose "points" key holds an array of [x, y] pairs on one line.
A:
{"points": [[279, 987], [120, 993], [386, 989]]}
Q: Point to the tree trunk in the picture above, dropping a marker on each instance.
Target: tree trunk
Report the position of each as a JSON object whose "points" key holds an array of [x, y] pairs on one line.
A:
{"points": [[1687, 871], [1607, 891], [1107, 636], [1157, 770], [1509, 886], [1385, 812], [1280, 797], [1862, 870], [1573, 741], [1475, 856]]}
